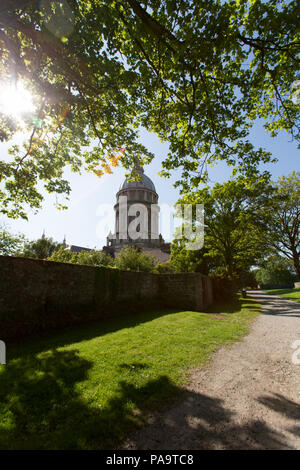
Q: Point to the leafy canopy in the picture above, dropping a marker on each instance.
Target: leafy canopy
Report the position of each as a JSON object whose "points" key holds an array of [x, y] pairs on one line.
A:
{"points": [[10, 243], [92, 257], [129, 259], [283, 229], [276, 270], [197, 73], [41, 248]]}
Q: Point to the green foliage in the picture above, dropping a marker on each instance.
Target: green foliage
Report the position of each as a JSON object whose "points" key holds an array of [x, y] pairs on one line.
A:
{"points": [[196, 73], [93, 257], [164, 268], [185, 261], [10, 243], [283, 235], [63, 255], [234, 230], [246, 278], [41, 248], [131, 259], [276, 271]]}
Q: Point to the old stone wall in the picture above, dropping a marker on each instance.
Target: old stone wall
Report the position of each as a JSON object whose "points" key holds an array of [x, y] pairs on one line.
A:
{"points": [[37, 295]]}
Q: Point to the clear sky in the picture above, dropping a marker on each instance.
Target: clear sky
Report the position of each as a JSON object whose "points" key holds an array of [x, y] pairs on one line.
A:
{"points": [[82, 223]]}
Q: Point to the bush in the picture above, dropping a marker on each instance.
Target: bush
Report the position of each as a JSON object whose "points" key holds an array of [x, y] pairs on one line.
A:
{"points": [[92, 258], [132, 259], [164, 268]]}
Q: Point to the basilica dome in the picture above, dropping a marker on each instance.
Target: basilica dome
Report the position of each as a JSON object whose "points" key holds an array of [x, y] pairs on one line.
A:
{"points": [[144, 183]]}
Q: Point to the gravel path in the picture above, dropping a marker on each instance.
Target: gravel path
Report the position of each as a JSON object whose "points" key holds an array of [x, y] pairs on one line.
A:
{"points": [[247, 397]]}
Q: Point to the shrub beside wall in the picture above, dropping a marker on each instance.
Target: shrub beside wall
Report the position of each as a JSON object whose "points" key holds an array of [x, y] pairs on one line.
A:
{"points": [[37, 295]]}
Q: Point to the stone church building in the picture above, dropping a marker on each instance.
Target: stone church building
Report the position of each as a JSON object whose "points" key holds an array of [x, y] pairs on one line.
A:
{"points": [[137, 206]]}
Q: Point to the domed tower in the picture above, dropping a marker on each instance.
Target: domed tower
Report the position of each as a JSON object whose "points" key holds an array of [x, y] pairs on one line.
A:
{"points": [[136, 214]]}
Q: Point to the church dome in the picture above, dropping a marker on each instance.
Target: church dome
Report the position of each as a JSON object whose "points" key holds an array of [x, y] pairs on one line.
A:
{"points": [[144, 183]]}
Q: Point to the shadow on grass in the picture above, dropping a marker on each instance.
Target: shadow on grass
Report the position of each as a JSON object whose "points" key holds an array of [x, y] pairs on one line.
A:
{"points": [[234, 305], [92, 329], [86, 331], [42, 409]]}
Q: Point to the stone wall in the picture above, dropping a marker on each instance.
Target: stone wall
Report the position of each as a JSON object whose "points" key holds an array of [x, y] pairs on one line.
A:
{"points": [[37, 295]]}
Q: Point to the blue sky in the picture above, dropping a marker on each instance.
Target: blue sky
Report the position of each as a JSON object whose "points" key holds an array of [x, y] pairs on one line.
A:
{"points": [[82, 223]]}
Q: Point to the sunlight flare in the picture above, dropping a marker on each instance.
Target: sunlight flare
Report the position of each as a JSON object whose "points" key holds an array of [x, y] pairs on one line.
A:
{"points": [[15, 100]]}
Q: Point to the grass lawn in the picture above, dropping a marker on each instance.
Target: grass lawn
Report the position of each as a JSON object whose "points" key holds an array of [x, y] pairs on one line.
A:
{"points": [[291, 294], [86, 387]]}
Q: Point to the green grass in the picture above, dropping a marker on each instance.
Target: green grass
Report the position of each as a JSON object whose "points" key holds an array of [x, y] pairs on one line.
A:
{"points": [[86, 387], [290, 294]]}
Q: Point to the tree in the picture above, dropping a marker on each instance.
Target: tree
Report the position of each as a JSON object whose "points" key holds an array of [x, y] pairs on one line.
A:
{"points": [[184, 260], [92, 257], [235, 225], [276, 270], [284, 225], [63, 255], [131, 259], [95, 258], [195, 73], [10, 243], [41, 248]]}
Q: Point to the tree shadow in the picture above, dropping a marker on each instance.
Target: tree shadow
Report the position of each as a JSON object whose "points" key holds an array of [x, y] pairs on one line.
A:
{"points": [[272, 305], [234, 305], [83, 332], [96, 328], [282, 405], [44, 406], [200, 422]]}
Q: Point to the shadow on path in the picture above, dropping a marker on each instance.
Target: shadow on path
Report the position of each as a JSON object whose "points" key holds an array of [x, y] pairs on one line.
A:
{"points": [[202, 422], [273, 305]]}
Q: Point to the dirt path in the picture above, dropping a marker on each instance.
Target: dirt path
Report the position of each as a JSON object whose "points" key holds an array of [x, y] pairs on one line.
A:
{"points": [[248, 396]]}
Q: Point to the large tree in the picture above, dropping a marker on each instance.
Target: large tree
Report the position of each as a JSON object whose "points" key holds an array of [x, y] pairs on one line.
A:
{"points": [[284, 225], [198, 73], [234, 226]]}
